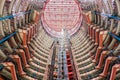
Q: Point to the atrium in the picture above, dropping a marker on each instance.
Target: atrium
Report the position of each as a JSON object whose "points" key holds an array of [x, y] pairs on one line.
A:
{"points": [[59, 39]]}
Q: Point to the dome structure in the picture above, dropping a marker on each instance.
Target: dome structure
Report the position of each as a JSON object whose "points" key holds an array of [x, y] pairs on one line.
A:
{"points": [[59, 14]]}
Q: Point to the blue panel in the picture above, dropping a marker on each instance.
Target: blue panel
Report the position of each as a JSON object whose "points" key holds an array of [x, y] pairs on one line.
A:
{"points": [[112, 17], [14, 15], [7, 37], [1, 67], [107, 15], [114, 36]]}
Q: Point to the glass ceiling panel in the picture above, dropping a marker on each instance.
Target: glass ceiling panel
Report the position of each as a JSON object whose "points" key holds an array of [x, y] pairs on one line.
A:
{"points": [[59, 14]]}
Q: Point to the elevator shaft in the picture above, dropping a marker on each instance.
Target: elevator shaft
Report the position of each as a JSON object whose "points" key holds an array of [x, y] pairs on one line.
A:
{"points": [[64, 64]]}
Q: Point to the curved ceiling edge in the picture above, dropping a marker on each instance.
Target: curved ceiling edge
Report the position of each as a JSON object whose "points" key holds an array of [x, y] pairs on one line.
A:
{"points": [[56, 31]]}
